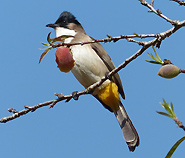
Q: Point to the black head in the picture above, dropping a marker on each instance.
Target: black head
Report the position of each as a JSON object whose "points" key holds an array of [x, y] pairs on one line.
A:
{"points": [[64, 20]]}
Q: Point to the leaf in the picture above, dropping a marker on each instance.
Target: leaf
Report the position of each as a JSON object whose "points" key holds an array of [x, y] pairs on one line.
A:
{"points": [[163, 113], [50, 45], [153, 62], [43, 54], [45, 44], [172, 150], [172, 106], [156, 54], [168, 108], [157, 59], [48, 38], [60, 38], [152, 56], [136, 34]]}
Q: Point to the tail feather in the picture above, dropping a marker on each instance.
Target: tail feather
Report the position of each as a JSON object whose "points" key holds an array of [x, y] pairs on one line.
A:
{"points": [[129, 132]]}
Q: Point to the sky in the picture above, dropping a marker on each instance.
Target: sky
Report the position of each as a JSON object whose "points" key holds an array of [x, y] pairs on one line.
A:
{"points": [[84, 128]]}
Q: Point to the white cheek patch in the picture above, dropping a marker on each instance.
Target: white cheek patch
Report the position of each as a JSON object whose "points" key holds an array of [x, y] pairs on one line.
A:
{"points": [[60, 31]]}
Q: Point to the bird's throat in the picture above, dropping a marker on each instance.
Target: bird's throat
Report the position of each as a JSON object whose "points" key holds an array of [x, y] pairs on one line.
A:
{"points": [[60, 31]]}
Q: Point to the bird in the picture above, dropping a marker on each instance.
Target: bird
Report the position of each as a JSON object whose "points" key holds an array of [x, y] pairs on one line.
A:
{"points": [[91, 63]]}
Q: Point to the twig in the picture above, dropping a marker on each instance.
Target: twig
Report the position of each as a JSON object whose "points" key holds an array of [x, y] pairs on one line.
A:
{"points": [[129, 38], [179, 2], [68, 97], [105, 40], [158, 12], [179, 123], [89, 90]]}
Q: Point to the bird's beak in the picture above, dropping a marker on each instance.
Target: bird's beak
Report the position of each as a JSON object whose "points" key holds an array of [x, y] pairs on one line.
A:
{"points": [[52, 25]]}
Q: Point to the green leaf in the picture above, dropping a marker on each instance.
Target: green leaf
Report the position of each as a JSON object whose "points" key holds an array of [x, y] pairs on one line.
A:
{"points": [[136, 34], [50, 45], [168, 108], [43, 54], [172, 107], [163, 113], [153, 62], [45, 44], [60, 38], [152, 56], [175, 147], [48, 38], [159, 59]]}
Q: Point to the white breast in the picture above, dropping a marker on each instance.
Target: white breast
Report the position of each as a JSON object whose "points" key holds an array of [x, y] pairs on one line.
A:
{"points": [[89, 68]]}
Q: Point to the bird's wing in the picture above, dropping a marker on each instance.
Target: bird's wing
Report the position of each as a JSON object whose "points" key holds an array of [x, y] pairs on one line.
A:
{"points": [[97, 47]]}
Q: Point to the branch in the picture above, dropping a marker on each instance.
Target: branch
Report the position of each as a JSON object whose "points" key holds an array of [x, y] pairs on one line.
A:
{"points": [[105, 40], [179, 123], [33, 108], [158, 38], [74, 95], [158, 12], [179, 2], [170, 113], [89, 90]]}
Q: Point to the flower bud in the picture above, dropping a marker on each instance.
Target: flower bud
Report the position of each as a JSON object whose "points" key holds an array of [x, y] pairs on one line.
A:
{"points": [[169, 71], [64, 59]]}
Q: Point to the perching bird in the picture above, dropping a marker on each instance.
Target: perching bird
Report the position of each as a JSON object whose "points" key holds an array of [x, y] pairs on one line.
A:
{"points": [[91, 63]]}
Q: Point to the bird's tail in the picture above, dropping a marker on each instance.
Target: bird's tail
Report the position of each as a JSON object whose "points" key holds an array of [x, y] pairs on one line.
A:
{"points": [[129, 132]]}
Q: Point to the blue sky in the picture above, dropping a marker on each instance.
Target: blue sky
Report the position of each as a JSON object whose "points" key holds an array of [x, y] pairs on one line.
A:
{"points": [[84, 128]]}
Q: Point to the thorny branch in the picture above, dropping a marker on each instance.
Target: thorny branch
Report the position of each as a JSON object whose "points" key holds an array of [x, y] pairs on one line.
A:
{"points": [[158, 38]]}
